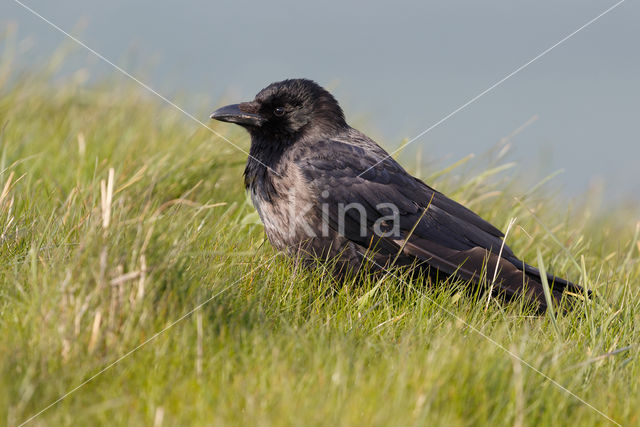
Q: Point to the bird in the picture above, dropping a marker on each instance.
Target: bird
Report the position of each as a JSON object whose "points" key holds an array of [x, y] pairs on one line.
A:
{"points": [[325, 191]]}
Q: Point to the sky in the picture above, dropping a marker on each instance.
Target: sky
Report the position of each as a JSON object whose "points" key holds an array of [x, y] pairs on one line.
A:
{"points": [[398, 68]]}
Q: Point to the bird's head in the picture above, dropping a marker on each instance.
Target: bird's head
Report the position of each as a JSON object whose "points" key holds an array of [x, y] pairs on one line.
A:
{"points": [[285, 111]]}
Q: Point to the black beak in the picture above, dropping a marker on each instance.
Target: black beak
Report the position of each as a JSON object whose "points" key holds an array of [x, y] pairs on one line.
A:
{"points": [[233, 114]]}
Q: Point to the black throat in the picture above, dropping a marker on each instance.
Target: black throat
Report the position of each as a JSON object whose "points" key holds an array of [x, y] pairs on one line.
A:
{"points": [[258, 177]]}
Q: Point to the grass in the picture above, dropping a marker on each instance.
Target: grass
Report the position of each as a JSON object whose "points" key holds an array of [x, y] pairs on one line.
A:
{"points": [[119, 217]]}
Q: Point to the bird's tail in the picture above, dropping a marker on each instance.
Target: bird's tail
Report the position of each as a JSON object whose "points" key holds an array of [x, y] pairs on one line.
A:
{"points": [[557, 284], [513, 278]]}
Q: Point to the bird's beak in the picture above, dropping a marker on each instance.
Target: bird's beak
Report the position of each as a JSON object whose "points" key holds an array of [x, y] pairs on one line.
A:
{"points": [[238, 113]]}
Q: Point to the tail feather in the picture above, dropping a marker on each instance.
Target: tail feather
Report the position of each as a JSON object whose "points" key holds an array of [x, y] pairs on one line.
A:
{"points": [[556, 282], [512, 279]]}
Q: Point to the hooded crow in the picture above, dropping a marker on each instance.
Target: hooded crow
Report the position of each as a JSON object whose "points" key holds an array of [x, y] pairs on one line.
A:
{"points": [[324, 190]]}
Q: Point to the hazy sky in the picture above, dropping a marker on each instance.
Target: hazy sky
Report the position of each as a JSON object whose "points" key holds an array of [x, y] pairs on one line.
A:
{"points": [[397, 68]]}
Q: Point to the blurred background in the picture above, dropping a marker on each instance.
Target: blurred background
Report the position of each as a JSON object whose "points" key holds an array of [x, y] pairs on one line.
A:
{"points": [[397, 69]]}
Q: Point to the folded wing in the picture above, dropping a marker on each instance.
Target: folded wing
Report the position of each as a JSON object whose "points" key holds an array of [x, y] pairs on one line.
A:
{"points": [[432, 227]]}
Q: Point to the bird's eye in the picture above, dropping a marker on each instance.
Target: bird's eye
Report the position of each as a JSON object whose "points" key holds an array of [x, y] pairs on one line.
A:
{"points": [[278, 111]]}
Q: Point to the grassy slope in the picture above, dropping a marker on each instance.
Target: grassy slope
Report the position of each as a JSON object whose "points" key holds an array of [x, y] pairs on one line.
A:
{"points": [[276, 347]]}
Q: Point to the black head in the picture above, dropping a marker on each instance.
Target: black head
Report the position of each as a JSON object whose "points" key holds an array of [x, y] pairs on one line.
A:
{"points": [[286, 110]]}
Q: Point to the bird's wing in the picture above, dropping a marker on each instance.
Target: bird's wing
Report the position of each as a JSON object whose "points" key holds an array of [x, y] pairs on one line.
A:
{"points": [[334, 167], [433, 228]]}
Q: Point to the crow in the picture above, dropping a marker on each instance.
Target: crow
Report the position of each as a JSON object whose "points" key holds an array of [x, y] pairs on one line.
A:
{"points": [[326, 191]]}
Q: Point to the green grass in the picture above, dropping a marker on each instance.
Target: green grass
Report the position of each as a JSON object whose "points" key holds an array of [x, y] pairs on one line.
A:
{"points": [[85, 278]]}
